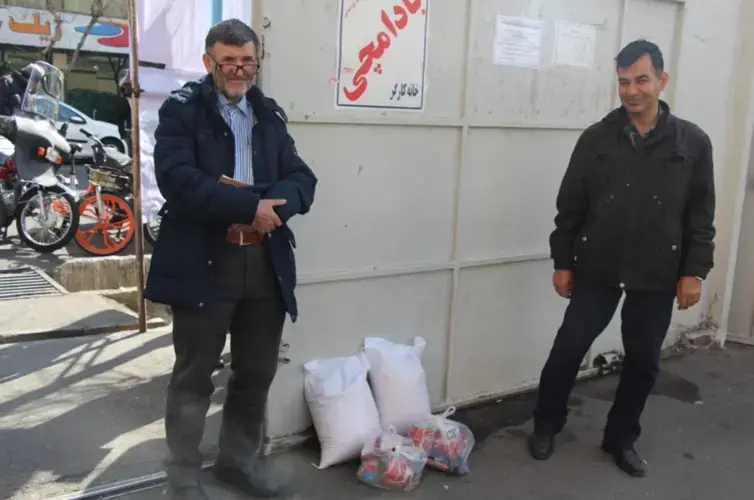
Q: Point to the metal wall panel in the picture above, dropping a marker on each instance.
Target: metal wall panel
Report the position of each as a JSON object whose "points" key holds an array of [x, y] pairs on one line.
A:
{"points": [[435, 223], [382, 200], [551, 96]]}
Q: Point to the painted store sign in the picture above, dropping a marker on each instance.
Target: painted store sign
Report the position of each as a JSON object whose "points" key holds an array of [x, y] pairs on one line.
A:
{"points": [[34, 28]]}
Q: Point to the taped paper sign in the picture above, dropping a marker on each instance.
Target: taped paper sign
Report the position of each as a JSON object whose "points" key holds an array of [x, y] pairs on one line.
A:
{"points": [[574, 44], [382, 54], [518, 42]]}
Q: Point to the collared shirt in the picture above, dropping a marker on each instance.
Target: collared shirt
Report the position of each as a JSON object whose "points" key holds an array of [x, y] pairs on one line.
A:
{"points": [[637, 137], [241, 120]]}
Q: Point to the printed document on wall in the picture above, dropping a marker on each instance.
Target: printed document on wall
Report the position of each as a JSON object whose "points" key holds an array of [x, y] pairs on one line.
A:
{"points": [[574, 44], [518, 42], [382, 54]]}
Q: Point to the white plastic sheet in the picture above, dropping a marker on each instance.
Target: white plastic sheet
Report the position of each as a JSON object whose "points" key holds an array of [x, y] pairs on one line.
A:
{"points": [[171, 33], [157, 85]]}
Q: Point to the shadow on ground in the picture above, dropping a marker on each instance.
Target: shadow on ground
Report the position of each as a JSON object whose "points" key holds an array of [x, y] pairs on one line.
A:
{"points": [[78, 410]]}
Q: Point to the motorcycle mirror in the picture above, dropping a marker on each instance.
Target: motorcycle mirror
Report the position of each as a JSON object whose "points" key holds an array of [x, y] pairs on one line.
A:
{"points": [[53, 85]]}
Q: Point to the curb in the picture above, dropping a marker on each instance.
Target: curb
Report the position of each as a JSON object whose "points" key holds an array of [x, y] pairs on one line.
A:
{"points": [[14, 338]]}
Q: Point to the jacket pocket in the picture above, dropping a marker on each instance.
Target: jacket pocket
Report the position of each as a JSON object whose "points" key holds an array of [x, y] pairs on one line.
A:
{"points": [[181, 251], [674, 171], [662, 242]]}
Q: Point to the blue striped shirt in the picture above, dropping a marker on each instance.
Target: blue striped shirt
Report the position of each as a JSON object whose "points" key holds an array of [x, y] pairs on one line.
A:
{"points": [[241, 120]]}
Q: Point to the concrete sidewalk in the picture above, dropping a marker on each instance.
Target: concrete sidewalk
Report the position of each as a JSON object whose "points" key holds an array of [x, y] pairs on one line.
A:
{"points": [[82, 412]]}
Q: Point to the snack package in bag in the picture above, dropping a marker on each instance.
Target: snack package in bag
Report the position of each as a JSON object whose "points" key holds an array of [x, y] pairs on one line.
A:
{"points": [[446, 442], [392, 462]]}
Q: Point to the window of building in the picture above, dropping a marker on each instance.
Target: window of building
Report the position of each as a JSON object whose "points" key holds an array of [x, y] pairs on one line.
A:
{"points": [[113, 8], [29, 4]]}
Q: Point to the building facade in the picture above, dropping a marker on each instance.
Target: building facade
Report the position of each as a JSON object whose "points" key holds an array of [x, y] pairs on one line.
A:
{"points": [[28, 27]]}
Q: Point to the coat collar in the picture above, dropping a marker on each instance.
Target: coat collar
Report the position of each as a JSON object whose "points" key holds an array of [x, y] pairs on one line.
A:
{"points": [[665, 122]]}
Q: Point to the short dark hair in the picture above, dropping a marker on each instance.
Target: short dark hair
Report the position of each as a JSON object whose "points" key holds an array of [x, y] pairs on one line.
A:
{"points": [[231, 32], [635, 50]]}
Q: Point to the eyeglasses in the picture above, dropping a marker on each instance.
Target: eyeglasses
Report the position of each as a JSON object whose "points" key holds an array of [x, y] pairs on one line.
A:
{"points": [[230, 69]]}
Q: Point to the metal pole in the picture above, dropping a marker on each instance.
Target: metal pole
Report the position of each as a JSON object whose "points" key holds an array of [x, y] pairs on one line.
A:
{"points": [[136, 152], [120, 488]]}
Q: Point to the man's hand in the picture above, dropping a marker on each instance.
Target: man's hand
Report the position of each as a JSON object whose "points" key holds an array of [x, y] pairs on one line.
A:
{"points": [[563, 283], [266, 219], [688, 292]]}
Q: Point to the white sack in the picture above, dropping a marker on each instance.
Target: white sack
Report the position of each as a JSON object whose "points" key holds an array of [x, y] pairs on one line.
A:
{"points": [[399, 382], [342, 406]]}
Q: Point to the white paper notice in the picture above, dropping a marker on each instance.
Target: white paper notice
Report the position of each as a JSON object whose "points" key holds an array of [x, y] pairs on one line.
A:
{"points": [[574, 44], [518, 42]]}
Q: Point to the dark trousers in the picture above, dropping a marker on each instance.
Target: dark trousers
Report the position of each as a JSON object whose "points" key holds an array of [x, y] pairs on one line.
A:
{"points": [[251, 308], [645, 319]]}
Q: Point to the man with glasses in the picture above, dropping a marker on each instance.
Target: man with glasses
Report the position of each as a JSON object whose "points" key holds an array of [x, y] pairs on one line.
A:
{"points": [[231, 178]]}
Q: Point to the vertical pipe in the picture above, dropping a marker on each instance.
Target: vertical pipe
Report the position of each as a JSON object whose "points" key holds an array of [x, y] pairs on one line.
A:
{"points": [[217, 11], [452, 313]]}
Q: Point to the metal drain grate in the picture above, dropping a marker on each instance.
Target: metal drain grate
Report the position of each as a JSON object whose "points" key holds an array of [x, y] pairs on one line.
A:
{"points": [[25, 283]]}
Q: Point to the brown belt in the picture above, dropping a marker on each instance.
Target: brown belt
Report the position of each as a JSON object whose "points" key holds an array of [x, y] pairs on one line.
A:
{"points": [[243, 234]]}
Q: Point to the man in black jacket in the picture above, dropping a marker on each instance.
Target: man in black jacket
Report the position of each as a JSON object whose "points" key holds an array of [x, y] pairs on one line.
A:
{"points": [[635, 217], [224, 261]]}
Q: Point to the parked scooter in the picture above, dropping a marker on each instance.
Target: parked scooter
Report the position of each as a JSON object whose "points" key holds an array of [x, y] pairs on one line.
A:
{"points": [[44, 208]]}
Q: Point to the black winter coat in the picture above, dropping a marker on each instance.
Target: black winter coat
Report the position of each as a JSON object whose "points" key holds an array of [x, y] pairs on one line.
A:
{"points": [[194, 147], [637, 217]]}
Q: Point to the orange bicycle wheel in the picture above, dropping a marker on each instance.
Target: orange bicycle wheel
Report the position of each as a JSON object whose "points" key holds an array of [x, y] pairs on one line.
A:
{"points": [[109, 234]]}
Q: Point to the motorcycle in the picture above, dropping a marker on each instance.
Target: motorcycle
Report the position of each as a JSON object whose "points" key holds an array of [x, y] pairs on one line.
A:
{"points": [[44, 209]]}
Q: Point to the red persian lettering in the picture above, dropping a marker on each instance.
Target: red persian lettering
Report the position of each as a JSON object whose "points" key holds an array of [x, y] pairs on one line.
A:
{"points": [[413, 6], [374, 50]]}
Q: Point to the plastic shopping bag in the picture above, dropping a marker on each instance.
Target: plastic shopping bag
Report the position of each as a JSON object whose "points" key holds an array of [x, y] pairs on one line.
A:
{"points": [[343, 409], [446, 442], [392, 462], [398, 381]]}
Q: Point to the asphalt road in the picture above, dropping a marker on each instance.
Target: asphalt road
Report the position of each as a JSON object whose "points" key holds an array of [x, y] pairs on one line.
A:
{"points": [[89, 411]]}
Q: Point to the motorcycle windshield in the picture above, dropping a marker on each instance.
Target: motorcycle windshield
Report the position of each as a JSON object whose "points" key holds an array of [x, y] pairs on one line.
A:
{"points": [[43, 91]]}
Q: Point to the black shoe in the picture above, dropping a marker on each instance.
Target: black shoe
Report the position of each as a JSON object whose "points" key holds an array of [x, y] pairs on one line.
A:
{"points": [[256, 481], [627, 460], [541, 446], [195, 492]]}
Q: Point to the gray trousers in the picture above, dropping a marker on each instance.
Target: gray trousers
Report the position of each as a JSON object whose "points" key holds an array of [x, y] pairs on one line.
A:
{"points": [[251, 308]]}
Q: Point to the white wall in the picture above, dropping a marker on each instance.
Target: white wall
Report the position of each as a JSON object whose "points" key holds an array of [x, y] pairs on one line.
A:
{"points": [[435, 223], [737, 307]]}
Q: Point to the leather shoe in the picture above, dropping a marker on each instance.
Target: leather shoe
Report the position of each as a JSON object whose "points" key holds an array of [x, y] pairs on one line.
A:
{"points": [[541, 446], [256, 481], [627, 460], [195, 492]]}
